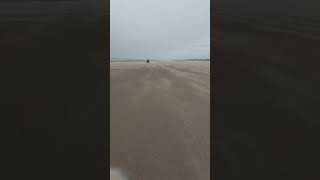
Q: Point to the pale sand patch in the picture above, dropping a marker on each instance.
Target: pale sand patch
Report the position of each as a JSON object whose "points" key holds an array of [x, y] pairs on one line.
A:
{"points": [[117, 174]]}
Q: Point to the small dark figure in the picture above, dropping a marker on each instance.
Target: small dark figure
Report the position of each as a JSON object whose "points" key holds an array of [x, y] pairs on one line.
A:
{"points": [[147, 60]]}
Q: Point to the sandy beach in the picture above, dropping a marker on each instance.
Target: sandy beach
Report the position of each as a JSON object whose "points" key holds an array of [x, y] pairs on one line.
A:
{"points": [[160, 119]]}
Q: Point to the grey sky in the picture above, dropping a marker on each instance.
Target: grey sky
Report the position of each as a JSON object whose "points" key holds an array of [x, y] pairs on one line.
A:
{"points": [[160, 29]]}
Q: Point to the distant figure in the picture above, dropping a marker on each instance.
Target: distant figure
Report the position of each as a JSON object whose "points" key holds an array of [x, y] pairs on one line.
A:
{"points": [[148, 60]]}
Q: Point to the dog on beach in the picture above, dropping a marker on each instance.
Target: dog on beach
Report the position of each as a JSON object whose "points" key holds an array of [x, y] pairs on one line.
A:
{"points": [[117, 174]]}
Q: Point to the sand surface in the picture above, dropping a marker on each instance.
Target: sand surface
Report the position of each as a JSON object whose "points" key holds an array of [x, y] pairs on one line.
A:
{"points": [[160, 119]]}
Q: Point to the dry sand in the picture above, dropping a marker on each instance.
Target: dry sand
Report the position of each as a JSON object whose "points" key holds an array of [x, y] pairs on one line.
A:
{"points": [[160, 119]]}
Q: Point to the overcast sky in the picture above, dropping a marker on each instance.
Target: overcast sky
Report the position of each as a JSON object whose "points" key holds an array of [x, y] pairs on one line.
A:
{"points": [[160, 29]]}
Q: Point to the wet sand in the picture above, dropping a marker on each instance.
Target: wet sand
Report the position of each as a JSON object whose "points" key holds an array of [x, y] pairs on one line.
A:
{"points": [[160, 119]]}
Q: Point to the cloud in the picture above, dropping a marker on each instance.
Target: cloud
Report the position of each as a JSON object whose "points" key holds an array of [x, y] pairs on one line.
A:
{"points": [[160, 29]]}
